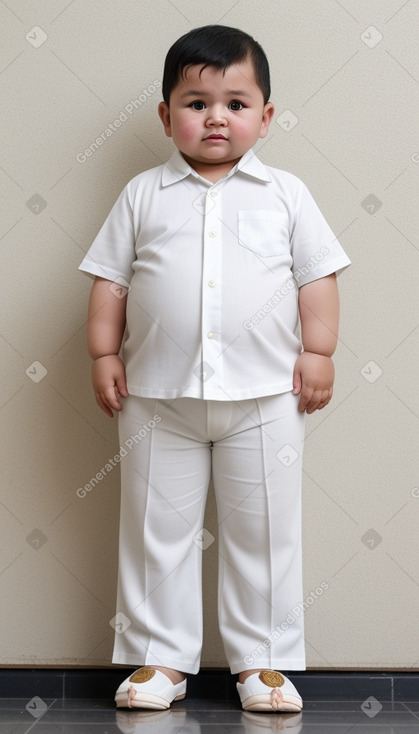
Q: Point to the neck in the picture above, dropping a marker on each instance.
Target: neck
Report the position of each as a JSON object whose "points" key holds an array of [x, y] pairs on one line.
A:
{"points": [[211, 171]]}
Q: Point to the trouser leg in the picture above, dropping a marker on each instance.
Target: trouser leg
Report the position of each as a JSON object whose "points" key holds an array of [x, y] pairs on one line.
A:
{"points": [[164, 482], [257, 482]]}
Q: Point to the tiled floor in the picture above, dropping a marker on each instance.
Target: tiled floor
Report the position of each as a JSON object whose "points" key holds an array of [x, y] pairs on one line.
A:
{"points": [[198, 716]]}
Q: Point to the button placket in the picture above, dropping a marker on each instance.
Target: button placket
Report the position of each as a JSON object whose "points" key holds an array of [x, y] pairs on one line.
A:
{"points": [[211, 288]]}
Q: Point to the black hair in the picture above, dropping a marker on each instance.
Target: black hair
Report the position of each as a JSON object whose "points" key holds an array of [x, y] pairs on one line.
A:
{"points": [[219, 46]]}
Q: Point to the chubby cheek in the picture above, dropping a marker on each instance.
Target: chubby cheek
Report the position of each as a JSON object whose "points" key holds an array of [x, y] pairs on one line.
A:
{"points": [[244, 130], [185, 130]]}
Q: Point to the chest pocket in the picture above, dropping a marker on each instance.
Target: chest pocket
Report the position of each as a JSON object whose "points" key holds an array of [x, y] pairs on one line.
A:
{"points": [[264, 232]]}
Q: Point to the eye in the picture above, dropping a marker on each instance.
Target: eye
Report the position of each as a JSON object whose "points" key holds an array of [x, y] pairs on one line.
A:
{"points": [[197, 105], [235, 105]]}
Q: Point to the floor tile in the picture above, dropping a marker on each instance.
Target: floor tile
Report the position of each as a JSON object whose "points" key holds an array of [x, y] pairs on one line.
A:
{"points": [[201, 716]]}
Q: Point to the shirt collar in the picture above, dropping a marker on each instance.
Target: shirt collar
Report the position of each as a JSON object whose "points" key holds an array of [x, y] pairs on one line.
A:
{"points": [[176, 168], [252, 166]]}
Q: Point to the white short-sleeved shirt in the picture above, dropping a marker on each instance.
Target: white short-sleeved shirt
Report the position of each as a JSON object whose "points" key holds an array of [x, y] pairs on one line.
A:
{"points": [[213, 273]]}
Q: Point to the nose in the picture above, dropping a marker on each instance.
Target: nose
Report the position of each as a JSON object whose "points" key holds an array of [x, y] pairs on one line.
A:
{"points": [[216, 116]]}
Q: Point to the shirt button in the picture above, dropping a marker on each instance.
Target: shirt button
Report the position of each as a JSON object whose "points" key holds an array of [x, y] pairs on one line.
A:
{"points": [[212, 233], [213, 194], [211, 283], [210, 335]]}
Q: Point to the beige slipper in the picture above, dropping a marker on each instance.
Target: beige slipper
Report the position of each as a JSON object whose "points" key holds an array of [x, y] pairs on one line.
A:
{"points": [[147, 688], [269, 691]]}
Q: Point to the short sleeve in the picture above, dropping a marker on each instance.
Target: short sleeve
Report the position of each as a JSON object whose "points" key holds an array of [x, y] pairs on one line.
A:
{"points": [[112, 253], [315, 249]]}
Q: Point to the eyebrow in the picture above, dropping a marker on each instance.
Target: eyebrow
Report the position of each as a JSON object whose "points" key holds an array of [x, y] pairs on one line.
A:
{"points": [[229, 93]]}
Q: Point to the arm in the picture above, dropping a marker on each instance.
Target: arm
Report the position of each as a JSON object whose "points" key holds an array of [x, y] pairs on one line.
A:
{"points": [[314, 371], [105, 329]]}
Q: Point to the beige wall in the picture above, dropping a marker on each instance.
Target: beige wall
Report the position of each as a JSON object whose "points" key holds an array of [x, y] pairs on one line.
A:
{"points": [[355, 96]]}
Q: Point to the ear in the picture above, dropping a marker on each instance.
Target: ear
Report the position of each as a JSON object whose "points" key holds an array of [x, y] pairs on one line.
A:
{"points": [[164, 114], [268, 113]]}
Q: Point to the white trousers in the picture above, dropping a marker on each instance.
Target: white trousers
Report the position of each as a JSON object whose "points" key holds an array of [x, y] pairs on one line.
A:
{"points": [[254, 448]]}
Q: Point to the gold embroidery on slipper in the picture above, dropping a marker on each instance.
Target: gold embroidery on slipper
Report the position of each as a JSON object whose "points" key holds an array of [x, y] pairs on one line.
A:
{"points": [[271, 678], [142, 675]]}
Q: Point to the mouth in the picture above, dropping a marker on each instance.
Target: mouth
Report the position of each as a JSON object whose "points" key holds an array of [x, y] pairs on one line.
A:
{"points": [[215, 136]]}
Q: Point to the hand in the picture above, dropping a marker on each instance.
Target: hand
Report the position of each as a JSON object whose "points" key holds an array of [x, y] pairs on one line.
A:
{"points": [[313, 381], [109, 382]]}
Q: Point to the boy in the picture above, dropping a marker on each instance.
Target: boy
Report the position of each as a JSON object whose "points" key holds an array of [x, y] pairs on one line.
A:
{"points": [[219, 255]]}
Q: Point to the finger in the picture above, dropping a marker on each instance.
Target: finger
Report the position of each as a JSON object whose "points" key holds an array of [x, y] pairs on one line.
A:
{"points": [[325, 401], [297, 383], [102, 405], [328, 396], [314, 402], [121, 384], [111, 397], [108, 401], [319, 400], [305, 399]]}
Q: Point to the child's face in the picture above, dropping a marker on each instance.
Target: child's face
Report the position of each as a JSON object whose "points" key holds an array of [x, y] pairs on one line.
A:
{"points": [[215, 117]]}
